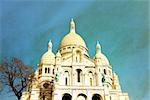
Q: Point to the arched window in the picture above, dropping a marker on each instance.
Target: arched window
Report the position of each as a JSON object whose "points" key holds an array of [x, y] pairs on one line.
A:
{"points": [[78, 56], [90, 78], [96, 97], [45, 70], [68, 47], [66, 81], [64, 48], [105, 71], [76, 59], [90, 72], [90, 81], [40, 71], [66, 96], [48, 70], [79, 75], [53, 71], [81, 97], [66, 77]]}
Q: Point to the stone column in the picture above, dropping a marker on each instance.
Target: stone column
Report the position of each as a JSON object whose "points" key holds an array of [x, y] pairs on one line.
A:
{"points": [[84, 79], [89, 95], [74, 95], [56, 95]]}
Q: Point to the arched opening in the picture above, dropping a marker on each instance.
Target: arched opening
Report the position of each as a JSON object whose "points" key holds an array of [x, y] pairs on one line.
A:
{"points": [[45, 94], [78, 56], [48, 70], [96, 97], [79, 75], [66, 77], [90, 81], [66, 80], [53, 71], [90, 78], [81, 97], [105, 71], [66, 96], [45, 70], [40, 71]]}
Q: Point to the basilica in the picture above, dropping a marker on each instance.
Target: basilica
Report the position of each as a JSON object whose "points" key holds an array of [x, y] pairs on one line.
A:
{"points": [[71, 74]]}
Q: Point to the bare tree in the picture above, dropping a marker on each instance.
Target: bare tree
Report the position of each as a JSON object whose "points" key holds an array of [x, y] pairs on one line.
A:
{"points": [[15, 75]]}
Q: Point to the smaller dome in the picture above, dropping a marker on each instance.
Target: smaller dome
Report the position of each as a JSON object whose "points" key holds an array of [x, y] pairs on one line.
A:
{"points": [[103, 58], [48, 58], [100, 55]]}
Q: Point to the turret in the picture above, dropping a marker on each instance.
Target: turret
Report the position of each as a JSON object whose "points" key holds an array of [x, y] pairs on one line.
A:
{"points": [[58, 70], [102, 67], [46, 66], [58, 58], [98, 54], [97, 64], [115, 83]]}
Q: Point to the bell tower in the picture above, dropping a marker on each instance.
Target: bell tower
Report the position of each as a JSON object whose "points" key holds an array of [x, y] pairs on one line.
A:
{"points": [[97, 61], [46, 74]]}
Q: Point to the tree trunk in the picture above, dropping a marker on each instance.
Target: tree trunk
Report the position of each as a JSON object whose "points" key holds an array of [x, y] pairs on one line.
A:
{"points": [[19, 98]]}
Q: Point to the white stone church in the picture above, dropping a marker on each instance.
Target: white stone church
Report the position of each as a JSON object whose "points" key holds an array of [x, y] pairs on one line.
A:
{"points": [[72, 75]]}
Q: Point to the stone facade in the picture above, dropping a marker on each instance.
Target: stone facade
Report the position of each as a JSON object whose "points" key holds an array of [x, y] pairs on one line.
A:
{"points": [[72, 75]]}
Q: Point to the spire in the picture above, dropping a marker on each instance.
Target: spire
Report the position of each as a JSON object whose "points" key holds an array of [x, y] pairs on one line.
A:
{"points": [[98, 50], [98, 47], [50, 45], [58, 54], [116, 84], [72, 26]]}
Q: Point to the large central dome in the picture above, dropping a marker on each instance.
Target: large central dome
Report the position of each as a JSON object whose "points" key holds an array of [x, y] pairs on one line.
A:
{"points": [[72, 38]]}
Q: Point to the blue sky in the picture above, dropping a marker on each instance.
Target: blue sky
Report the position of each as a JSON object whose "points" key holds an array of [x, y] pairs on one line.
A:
{"points": [[121, 27]]}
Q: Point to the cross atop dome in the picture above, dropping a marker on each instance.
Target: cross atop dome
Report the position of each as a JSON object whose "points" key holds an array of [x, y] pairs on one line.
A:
{"points": [[72, 26]]}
